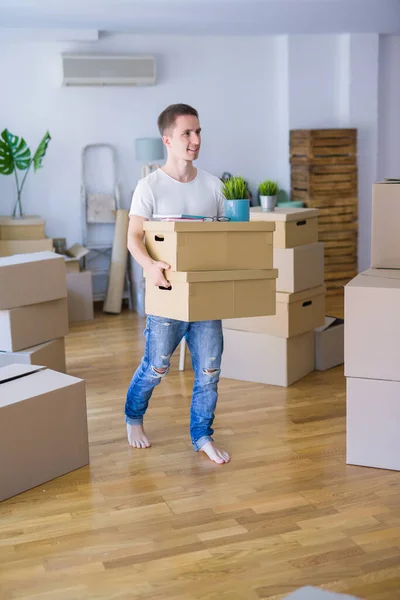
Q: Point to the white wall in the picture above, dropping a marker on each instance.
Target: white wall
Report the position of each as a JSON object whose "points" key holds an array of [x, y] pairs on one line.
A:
{"points": [[389, 107], [225, 78]]}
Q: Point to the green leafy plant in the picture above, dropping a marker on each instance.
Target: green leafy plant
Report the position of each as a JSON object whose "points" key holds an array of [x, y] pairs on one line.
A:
{"points": [[235, 188], [16, 156], [268, 188]]}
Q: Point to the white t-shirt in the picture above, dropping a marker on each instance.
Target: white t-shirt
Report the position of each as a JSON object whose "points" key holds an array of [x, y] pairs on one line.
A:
{"points": [[160, 194]]}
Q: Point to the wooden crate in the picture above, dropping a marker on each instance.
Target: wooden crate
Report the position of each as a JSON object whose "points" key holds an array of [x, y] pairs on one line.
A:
{"points": [[311, 182], [323, 146]]}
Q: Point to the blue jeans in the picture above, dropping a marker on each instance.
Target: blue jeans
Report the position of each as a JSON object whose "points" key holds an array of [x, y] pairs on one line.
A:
{"points": [[205, 342]]}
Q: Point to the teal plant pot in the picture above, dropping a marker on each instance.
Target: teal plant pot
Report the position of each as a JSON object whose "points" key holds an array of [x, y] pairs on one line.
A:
{"points": [[237, 210]]}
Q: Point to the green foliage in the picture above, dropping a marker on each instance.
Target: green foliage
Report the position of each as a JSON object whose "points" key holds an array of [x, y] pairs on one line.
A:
{"points": [[268, 188], [16, 156], [235, 188]]}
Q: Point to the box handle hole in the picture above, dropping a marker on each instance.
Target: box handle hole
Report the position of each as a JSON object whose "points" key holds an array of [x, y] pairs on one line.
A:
{"points": [[159, 238], [300, 223], [307, 303], [167, 289]]}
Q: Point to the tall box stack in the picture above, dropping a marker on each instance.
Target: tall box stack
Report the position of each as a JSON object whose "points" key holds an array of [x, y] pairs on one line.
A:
{"points": [[372, 334], [279, 349], [23, 235], [33, 310], [324, 176], [217, 269]]}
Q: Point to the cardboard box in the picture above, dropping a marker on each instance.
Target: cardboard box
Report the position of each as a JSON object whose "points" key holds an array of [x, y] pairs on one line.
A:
{"points": [[50, 354], [329, 344], [25, 228], [209, 295], [216, 246], [10, 247], [34, 324], [80, 296], [43, 427], [300, 268], [31, 278], [372, 325], [295, 314], [312, 593], [293, 226], [263, 358], [385, 240], [72, 265], [373, 417]]}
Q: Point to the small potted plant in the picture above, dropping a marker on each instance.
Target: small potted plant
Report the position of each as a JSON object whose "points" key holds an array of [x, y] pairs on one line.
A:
{"points": [[268, 191], [237, 204]]}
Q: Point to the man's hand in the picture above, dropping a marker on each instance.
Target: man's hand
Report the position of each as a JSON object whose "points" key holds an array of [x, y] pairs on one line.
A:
{"points": [[155, 272]]}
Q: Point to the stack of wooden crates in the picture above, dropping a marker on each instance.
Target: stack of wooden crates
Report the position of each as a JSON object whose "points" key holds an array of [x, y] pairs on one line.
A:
{"points": [[324, 176]]}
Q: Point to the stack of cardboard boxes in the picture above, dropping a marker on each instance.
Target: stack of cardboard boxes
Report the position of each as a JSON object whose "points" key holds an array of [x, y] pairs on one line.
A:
{"points": [[372, 334], [33, 310], [20, 236], [279, 349], [218, 269]]}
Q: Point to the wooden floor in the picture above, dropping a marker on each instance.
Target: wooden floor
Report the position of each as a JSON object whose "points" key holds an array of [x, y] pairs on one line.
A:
{"points": [[166, 524]]}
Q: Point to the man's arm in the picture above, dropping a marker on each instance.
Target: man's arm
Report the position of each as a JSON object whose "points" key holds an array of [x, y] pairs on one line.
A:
{"points": [[137, 248]]}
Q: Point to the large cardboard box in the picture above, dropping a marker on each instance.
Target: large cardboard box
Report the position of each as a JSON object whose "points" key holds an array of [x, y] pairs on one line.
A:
{"points": [[10, 247], [372, 325], [263, 358], [31, 279], [373, 417], [329, 344], [33, 324], [216, 246], [80, 296], [295, 314], [209, 295], [293, 226], [300, 268], [385, 239], [43, 427], [25, 228], [50, 354]]}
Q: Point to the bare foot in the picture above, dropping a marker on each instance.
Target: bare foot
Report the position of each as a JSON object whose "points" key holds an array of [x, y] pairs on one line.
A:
{"points": [[218, 456], [137, 437]]}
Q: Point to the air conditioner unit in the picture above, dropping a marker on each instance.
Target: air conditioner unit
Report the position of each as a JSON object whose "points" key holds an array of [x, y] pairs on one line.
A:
{"points": [[92, 69]]}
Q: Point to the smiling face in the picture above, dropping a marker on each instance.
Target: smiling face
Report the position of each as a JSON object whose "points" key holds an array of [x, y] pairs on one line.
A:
{"points": [[183, 140]]}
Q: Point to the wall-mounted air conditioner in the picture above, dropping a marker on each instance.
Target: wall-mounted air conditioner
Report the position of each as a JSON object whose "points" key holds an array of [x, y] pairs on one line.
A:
{"points": [[100, 69]]}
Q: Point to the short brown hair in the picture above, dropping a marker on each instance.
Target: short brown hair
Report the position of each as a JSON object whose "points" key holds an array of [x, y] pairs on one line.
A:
{"points": [[167, 118]]}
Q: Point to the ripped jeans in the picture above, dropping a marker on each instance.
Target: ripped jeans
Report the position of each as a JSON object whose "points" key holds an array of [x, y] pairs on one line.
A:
{"points": [[205, 342]]}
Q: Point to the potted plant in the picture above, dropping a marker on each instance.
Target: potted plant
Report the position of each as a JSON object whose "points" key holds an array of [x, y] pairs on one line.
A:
{"points": [[268, 191], [16, 156], [237, 204]]}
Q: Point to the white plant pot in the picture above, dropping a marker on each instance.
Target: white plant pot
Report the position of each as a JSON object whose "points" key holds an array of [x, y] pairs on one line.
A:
{"points": [[268, 203]]}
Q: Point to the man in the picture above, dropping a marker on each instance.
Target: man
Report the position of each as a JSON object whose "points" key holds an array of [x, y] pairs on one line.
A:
{"points": [[176, 188]]}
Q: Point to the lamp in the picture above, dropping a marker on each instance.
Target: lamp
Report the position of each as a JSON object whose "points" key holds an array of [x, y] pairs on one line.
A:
{"points": [[149, 150]]}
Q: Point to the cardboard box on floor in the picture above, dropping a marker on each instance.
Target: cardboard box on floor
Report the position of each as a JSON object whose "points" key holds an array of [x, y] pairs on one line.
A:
{"points": [[10, 247], [50, 354], [263, 358], [293, 226], [43, 427], [80, 296], [209, 295], [214, 246], [372, 428], [295, 314], [25, 228], [300, 268], [34, 324], [31, 278], [372, 325], [385, 238], [329, 344]]}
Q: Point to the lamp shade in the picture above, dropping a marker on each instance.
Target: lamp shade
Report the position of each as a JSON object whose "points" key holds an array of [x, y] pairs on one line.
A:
{"points": [[149, 149]]}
